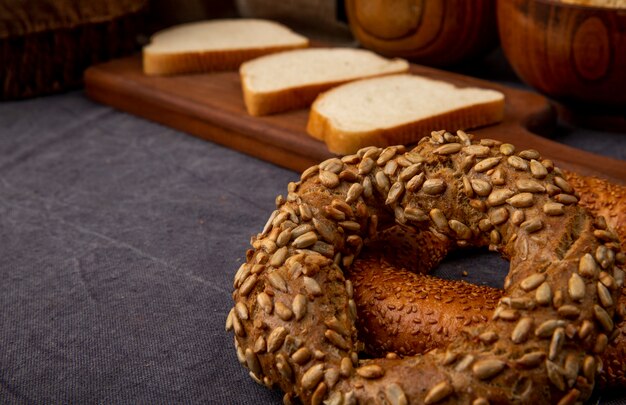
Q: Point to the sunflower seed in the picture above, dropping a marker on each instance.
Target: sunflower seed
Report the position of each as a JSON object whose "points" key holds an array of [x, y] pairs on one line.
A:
{"points": [[463, 137], [517, 163], [439, 219], [371, 152], [497, 178], [485, 225], [461, 230], [576, 287], [464, 363], [265, 302], [366, 166], [538, 170], [309, 172], [416, 182], [556, 343], [467, 188], [555, 375], [563, 185], [312, 286], [532, 225], [494, 237], [350, 159], [395, 395], [481, 187], [252, 361], [248, 285], [529, 154], [530, 186], [334, 165], [522, 330], [312, 376], [382, 183], [410, 171], [242, 310], [336, 339], [260, 345], [370, 371], [569, 311], [448, 149], [301, 230], [283, 367], [279, 257], [521, 200], [499, 196], [533, 281], [480, 401], [301, 356], [486, 164], [345, 367], [543, 295], [517, 217], [386, 156], [498, 216], [283, 311], [603, 317], [477, 150], [589, 368], [395, 193], [485, 369], [434, 186], [507, 149], [509, 314], [348, 176], [414, 157], [547, 328], [276, 339], [438, 393], [532, 359], [467, 163], [488, 337], [328, 179], [587, 266], [566, 199], [602, 341], [553, 209], [415, 214], [437, 136]]}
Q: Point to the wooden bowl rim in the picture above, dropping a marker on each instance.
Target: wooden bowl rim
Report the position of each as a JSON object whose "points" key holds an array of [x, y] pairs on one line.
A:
{"points": [[558, 3]]}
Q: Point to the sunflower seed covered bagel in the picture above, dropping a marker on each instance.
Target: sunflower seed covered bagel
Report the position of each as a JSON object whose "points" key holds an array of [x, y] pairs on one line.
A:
{"points": [[294, 314]]}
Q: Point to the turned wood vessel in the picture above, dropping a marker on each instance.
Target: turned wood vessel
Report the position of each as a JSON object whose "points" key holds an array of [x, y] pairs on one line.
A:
{"points": [[570, 52], [435, 33]]}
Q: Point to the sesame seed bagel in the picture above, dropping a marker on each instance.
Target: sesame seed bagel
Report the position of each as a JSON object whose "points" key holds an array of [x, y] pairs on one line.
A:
{"points": [[294, 316]]}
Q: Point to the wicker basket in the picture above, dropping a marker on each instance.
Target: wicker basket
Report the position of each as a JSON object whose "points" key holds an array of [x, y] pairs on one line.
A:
{"points": [[45, 45]]}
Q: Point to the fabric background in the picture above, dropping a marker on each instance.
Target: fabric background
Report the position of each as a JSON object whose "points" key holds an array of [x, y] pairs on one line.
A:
{"points": [[119, 239]]}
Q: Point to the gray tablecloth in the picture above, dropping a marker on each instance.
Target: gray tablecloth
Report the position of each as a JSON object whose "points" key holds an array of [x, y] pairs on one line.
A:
{"points": [[119, 239]]}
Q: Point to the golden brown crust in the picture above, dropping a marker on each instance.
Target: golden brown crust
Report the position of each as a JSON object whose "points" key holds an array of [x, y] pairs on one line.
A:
{"points": [[345, 142], [295, 315], [164, 64]]}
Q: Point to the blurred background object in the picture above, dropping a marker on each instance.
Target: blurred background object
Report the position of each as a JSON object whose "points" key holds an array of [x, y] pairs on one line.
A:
{"points": [[435, 33], [573, 53], [46, 44]]}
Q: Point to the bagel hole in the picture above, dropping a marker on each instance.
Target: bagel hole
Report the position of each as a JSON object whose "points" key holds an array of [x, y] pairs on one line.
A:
{"points": [[474, 265]]}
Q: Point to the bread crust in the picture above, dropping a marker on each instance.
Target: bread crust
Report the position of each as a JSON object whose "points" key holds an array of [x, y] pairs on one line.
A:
{"points": [[166, 64], [344, 142]]}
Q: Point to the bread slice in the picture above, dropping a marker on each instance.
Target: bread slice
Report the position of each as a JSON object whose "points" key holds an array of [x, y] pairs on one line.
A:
{"points": [[398, 109], [215, 45], [293, 79]]}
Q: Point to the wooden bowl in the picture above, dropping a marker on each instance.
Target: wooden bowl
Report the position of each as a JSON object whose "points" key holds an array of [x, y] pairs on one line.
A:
{"points": [[435, 33], [575, 54]]}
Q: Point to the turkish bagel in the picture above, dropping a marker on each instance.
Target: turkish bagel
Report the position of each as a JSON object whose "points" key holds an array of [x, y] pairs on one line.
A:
{"points": [[294, 314]]}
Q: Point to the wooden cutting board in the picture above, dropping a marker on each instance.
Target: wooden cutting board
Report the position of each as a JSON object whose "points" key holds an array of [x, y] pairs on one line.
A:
{"points": [[210, 106]]}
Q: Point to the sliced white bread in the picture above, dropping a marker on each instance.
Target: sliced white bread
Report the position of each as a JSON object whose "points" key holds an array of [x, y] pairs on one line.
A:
{"points": [[215, 45], [398, 109], [293, 79]]}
